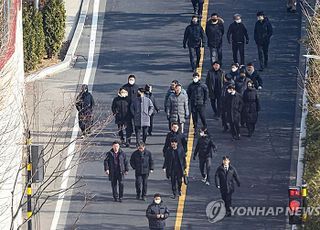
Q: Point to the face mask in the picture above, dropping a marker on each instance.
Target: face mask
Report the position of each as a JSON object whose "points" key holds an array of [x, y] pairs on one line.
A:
{"points": [[229, 91], [238, 21], [150, 89], [158, 201], [234, 69], [195, 80], [250, 85], [123, 94], [131, 82], [202, 134], [250, 71], [243, 76], [214, 21], [195, 21], [233, 92], [260, 18]]}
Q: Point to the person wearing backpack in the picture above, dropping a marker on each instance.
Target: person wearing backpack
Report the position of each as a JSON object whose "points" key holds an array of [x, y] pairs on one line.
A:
{"points": [[194, 37]]}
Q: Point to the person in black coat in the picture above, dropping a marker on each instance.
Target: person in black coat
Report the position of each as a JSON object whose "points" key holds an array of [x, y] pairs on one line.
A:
{"points": [[251, 107], [204, 148], [197, 7], [149, 94], [214, 32], [234, 106], [198, 95], [175, 134], [121, 111], [84, 105], [225, 177], [238, 35], [214, 82], [195, 38], [254, 76], [262, 34], [141, 161], [228, 80], [116, 166], [174, 166], [157, 213], [132, 88]]}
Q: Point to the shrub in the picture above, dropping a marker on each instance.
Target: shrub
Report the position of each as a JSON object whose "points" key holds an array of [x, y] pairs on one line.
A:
{"points": [[54, 17]]}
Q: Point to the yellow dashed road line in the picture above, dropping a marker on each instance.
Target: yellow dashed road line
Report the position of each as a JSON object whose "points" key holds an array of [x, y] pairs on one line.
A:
{"points": [[182, 198]]}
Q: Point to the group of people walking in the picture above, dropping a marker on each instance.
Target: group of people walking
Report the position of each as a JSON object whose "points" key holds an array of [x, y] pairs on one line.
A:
{"points": [[233, 97]]}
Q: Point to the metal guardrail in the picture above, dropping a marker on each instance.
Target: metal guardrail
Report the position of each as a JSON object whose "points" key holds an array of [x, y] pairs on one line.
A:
{"points": [[5, 20]]}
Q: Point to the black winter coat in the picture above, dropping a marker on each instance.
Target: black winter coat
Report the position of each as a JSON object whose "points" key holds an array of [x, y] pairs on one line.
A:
{"points": [[151, 213], [132, 91], [85, 103], [263, 32], [180, 138], [255, 77], [194, 36], [214, 82], [197, 94], [120, 107], [237, 32], [142, 163], [153, 100], [251, 105], [109, 164], [226, 180], [214, 34], [234, 106], [241, 84], [169, 161], [204, 147]]}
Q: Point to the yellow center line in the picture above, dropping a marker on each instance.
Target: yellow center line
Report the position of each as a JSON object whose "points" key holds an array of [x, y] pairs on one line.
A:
{"points": [[182, 198]]}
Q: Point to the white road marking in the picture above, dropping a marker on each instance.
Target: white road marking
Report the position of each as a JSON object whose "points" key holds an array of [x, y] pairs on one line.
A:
{"points": [[71, 148]]}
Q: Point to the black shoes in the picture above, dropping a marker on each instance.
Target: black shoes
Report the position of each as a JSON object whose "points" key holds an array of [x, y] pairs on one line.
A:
{"points": [[138, 197]]}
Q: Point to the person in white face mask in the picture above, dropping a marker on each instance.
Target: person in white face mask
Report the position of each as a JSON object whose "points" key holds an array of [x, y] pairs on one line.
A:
{"points": [[132, 88], [157, 213], [234, 106], [198, 95], [237, 35]]}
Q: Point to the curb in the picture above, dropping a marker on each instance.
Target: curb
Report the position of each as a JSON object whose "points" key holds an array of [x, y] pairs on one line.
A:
{"points": [[70, 56]]}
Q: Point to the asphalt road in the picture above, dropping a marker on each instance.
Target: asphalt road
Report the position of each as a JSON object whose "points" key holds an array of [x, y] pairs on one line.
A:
{"points": [[144, 38]]}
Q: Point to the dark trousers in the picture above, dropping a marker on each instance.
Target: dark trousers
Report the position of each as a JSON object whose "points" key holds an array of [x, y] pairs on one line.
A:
{"points": [[227, 198], [216, 105], [205, 163], [215, 54], [238, 47], [199, 110], [138, 133], [243, 118], [197, 6], [194, 53], [224, 120], [235, 128], [141, 179], [85, 121], [151, 124], [117, 179], [122, 128], [129, 129], [263, 54], [176, 179], [251, 127]]}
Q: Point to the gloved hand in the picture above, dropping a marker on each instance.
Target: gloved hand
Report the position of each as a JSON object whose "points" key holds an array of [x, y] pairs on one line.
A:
{"points": [[260, 87]]}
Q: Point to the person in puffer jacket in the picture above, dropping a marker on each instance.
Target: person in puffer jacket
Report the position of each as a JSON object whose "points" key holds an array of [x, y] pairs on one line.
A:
{"points": [[121, 111], [198, 95], [157, 213], [195, 38], [204, 148], [215, 32]]}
